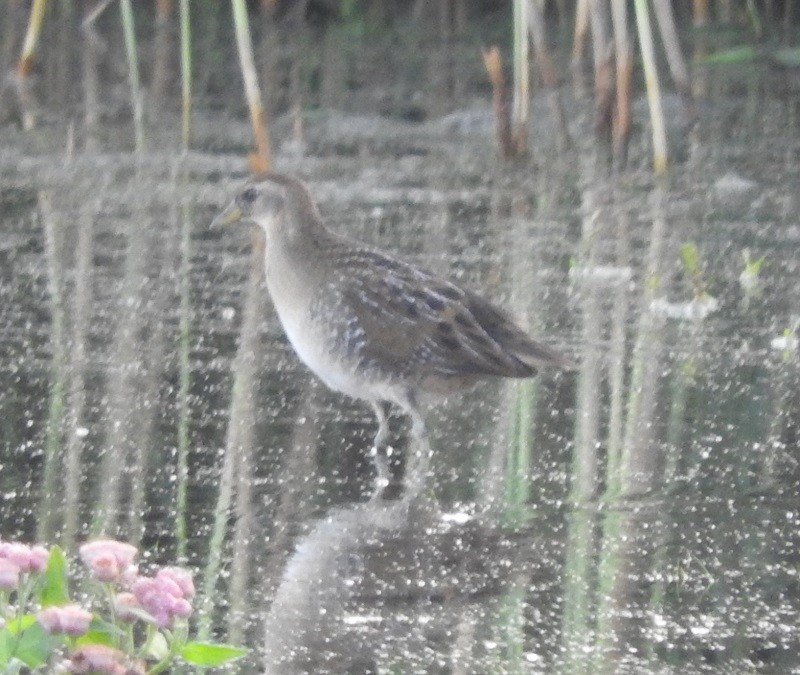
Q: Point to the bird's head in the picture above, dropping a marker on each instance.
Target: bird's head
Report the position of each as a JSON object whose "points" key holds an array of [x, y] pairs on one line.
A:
{"points": [[280, 205]]}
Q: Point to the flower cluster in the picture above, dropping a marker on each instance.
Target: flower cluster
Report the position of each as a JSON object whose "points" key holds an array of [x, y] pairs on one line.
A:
{"points": [[108, 559], [68, 619], [17, 559], [101, 659], [109, 643], [164, 596]]}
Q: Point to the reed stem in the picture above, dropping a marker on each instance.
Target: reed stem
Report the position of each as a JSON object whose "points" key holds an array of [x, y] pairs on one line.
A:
{"points": [[653, 89], [129, 30]]}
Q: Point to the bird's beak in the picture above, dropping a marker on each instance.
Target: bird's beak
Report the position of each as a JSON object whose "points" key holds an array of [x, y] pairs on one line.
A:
{"points": [[232, 214]]}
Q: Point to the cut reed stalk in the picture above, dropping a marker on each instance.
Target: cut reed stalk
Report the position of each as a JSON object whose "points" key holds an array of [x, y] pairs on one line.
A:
{"points": [[494, 67], [624, 72], [260, 160], [25, 65], [536, 27]]}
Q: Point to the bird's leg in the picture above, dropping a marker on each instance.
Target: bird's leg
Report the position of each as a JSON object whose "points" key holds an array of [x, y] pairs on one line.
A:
{"points": [[380, 447], [417, 470]]}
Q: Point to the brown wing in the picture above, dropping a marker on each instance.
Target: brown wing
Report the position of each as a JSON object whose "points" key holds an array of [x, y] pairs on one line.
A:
{"points": [[410, 322]]}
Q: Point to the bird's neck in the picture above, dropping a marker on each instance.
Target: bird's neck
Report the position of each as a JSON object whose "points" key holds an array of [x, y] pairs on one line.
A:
{"points": [[296, 260]]}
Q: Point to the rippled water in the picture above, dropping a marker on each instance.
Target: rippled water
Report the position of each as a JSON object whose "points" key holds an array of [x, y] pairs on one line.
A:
{"points": [[639, 514]]}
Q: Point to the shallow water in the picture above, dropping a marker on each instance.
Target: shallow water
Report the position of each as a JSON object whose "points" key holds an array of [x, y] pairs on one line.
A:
{"points": [[639, 514]]}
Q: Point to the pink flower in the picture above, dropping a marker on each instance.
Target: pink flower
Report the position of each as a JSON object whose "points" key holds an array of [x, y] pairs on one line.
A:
{"points": [[163, 598], [40, 556], [181, 577], [69, 619], [181, 608], [26, 558], [9, 574], [100, 659], [107, 558]]}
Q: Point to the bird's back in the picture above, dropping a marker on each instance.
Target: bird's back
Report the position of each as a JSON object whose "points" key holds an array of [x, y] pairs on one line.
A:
{"points": [[391, 320]]}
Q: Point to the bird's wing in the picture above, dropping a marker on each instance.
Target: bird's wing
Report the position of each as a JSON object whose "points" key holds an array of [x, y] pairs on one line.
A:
{"points": [[418, 324]]}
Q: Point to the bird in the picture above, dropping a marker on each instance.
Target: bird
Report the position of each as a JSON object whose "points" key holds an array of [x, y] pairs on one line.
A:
{"points": [[369, 324]]}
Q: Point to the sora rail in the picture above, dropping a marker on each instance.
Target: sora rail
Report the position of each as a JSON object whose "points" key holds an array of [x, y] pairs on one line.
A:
{"points": [[368, 324]]}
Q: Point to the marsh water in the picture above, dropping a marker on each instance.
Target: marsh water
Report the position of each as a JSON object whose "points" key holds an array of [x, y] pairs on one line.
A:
{"points": [[638, 514]]}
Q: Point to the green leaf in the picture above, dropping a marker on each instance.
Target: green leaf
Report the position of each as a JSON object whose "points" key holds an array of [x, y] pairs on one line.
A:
{"points": [[55, 590], [20, 623], [5, 647], [754, 266], [690, 257], [101, 632], [210, 654], [734, 55], [34, 646]]}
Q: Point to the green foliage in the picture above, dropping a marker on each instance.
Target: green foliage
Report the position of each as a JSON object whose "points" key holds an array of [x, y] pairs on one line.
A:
{"points": [[24, 641], [690, 257], [208, 654], [733, 55], [693, 267], [101, 632], [54, 590], [34, 645], [752, 267]]}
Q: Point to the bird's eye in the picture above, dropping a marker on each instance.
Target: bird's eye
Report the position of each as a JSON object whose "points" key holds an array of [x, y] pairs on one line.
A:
{"points": [[248, 196]]}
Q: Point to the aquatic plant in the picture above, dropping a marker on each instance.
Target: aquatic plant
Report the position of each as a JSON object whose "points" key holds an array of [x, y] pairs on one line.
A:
{"points": [[139, 623]]}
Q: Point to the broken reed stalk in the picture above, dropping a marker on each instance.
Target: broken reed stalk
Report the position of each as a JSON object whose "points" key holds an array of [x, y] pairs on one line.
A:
{"points": [[25, 65], [260, 160], [621, 128], [129, 31], [672, 47], [536, 27], [494, 67], [579, 39], [23, 88], [653, 90], [602, 55]]}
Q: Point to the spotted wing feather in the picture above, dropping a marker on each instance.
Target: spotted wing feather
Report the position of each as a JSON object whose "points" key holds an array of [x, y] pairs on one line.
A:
{"points": [[405, 320]]}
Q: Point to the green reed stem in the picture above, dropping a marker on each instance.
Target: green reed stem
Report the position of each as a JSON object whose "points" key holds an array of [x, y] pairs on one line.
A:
{"points": [[653, 89], [129, 31], [185, 313], [186, 73], [520, 107], [184, 382]]}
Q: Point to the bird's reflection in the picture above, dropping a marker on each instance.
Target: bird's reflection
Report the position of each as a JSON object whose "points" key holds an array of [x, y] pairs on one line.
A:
{"points": [[379, 583]]}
